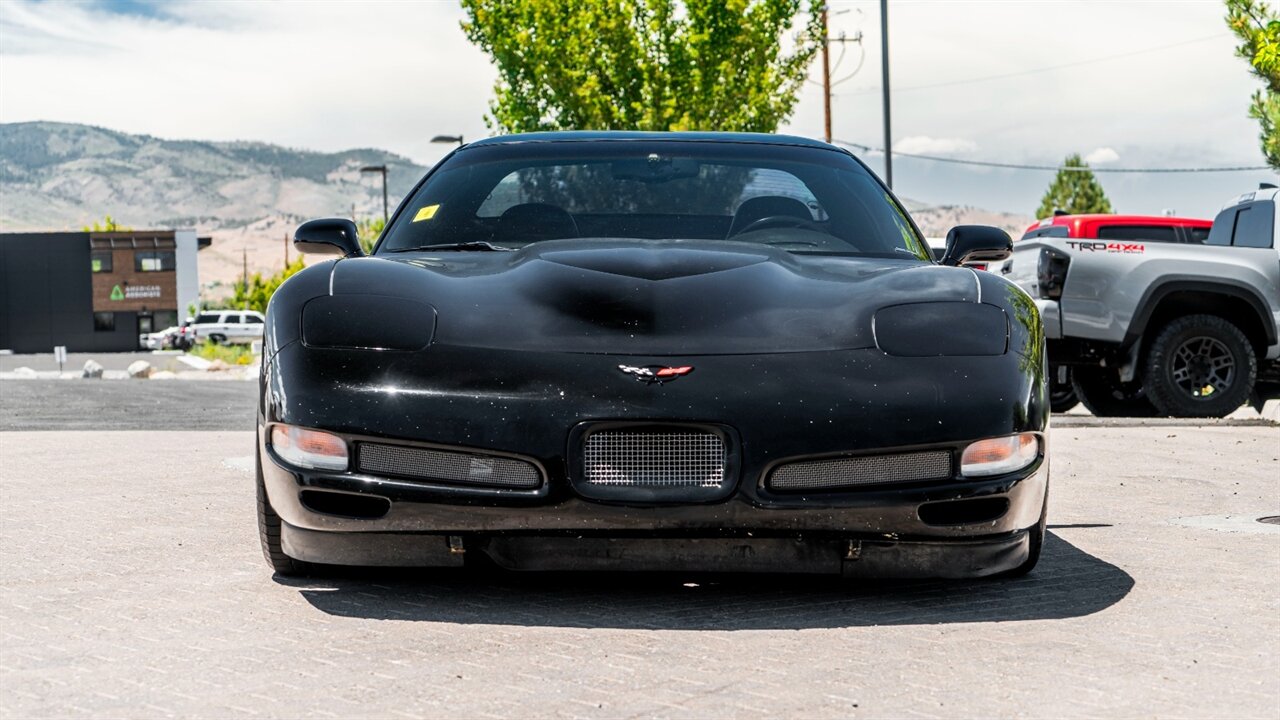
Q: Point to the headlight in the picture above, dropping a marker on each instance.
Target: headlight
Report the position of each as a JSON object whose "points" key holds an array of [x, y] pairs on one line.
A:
{"points": [[932, 329], [998, 456], [367, 322], [309, 448]]}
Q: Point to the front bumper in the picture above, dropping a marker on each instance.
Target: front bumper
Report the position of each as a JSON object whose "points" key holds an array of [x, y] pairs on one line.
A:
{"points": [[781, 408]]}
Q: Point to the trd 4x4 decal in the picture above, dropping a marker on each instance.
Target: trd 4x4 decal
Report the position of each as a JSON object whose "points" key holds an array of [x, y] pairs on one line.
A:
{"points": [[1099, 246]]}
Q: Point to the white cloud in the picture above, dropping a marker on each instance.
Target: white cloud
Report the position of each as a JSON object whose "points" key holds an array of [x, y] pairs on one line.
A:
{"points": [[1102, 156], [925, 145]]}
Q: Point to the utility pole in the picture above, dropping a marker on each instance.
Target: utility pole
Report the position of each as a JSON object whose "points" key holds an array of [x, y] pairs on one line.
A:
{"points": [[826, 78], [286, 250], [386, 215], [245, 255], [884, 82]]}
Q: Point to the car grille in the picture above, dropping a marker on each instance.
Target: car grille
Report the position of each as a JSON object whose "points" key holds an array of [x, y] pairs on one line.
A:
{"points": [[678, 459], [852, 472], [445, 466]]}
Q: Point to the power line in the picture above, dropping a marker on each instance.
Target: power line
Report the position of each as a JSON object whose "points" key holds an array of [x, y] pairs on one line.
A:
{"points": [[1033, 71], [1051, 168]]}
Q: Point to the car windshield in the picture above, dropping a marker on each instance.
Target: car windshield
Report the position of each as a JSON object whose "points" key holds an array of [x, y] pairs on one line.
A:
{"points": [[506, 196]]}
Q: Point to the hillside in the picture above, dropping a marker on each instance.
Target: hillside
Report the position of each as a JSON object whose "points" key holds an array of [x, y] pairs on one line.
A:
{"points": [[247, 195]]}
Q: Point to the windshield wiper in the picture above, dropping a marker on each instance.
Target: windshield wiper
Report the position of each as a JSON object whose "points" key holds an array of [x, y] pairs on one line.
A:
{"points": [[472, 245]]}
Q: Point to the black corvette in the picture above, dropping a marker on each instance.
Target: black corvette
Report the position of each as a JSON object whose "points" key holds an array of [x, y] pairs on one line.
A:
{"points": [[653, 351]]}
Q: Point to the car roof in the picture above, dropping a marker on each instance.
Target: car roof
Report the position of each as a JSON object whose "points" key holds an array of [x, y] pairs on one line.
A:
{"points": [[629, 135]]}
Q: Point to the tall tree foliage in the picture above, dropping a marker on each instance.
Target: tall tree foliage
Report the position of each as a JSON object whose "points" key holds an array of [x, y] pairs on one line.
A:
{"points": [[107, 225], [642, 64], [1258, 28], [1075, 191], [260, 289]]}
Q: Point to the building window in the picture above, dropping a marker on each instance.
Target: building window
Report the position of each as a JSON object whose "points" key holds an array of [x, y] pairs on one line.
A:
{"points": [[101, 261], [153, 260], [165, 319], [104, 322]]}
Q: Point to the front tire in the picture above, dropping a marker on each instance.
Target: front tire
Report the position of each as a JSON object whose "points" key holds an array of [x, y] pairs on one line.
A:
{"points": [[1037, 543], [1200, 366], [1101, 391], [269, 531]]}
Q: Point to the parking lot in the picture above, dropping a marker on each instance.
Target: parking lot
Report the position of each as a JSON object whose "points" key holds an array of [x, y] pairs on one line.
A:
{"points": [[132, 585]]}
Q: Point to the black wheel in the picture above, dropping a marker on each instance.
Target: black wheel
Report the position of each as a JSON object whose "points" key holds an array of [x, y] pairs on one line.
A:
{"points": [[1101, 391], [1037, 542], [217, 339], [269, 531], [1200, 366], [1062, 395]]}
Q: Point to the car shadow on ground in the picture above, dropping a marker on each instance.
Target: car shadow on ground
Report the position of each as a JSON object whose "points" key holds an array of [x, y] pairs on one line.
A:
{"points": [[1067, 583]]}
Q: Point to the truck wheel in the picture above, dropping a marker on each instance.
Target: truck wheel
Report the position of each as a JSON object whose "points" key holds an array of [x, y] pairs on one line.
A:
{"points": [[217, 339], [1200, 366], [1062, 395], [269, 532], [1101, 391]]}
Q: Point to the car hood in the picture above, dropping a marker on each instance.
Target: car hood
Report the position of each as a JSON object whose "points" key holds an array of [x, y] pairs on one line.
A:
{"points": [[652, 298]]}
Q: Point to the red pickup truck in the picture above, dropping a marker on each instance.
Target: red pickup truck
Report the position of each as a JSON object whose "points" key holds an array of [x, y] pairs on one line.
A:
{"points": [[1123, 227]]}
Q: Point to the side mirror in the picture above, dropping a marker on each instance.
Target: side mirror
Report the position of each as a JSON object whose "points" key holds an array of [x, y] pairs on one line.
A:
{"points": [[976, 243], [330, 236]]}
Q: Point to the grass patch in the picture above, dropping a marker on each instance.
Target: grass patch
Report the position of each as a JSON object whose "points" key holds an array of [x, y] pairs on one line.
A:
{"points": [[229, 354]]}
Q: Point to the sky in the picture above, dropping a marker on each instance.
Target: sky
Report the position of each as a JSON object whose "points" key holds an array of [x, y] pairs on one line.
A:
{"points": [[1127, 84]]}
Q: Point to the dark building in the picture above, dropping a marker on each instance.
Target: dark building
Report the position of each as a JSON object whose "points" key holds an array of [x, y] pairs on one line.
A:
{"points": [[94, 291]]}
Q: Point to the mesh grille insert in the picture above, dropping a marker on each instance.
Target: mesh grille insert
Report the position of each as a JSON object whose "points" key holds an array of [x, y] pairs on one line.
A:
{"points": [[857, 471], [444, 466], [654, 459]]}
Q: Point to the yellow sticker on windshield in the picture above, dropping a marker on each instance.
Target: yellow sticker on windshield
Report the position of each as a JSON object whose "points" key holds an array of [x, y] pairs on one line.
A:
{"points": [[426, 213]]}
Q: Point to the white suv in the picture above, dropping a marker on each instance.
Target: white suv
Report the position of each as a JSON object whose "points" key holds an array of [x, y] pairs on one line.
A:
{"points": [[228, 326]]}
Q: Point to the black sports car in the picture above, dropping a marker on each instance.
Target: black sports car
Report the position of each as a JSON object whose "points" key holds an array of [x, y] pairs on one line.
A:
{"points": [[655, 351]]}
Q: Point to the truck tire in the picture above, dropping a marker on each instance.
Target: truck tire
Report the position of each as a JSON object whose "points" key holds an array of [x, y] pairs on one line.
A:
{"points": [[1200, 366], [269, 532], [1101, 391], [217, 338]]}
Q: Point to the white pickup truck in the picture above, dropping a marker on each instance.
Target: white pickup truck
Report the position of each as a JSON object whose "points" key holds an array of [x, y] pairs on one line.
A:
{"points": [[1177, 329]]}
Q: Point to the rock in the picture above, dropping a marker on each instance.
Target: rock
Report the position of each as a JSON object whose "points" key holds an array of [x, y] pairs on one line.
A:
{"points": [[218, 366], [25, 373], [92, 369], [163, 375], [140, 369]]}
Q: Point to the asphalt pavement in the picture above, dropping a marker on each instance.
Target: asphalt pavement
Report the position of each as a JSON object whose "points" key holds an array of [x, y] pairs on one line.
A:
{"points": [[127, 404], [132, 585]]}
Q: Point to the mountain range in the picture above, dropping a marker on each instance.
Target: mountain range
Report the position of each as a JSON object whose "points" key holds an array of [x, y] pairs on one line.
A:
{"points": [[247, 195]]}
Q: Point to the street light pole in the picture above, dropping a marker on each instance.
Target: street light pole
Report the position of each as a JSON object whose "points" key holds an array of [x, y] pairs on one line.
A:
{"points": [[826, 77], [386, 216], [884, 82]]}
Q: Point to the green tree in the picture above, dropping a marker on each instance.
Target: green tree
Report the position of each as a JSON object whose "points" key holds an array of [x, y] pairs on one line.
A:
{"points": [[107, 225], [260, 289], [1075, 191], [642, 64], [1258, 28], [368, 231]]}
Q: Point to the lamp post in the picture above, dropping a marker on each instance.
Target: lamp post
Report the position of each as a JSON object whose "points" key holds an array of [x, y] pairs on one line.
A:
{"points": [[386, 216], [448, 139], [884, 84]]}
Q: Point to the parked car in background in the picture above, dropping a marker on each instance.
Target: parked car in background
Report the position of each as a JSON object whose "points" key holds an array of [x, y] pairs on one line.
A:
{"points": [[1147, 228], [1144, 326], [227, 326]]}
